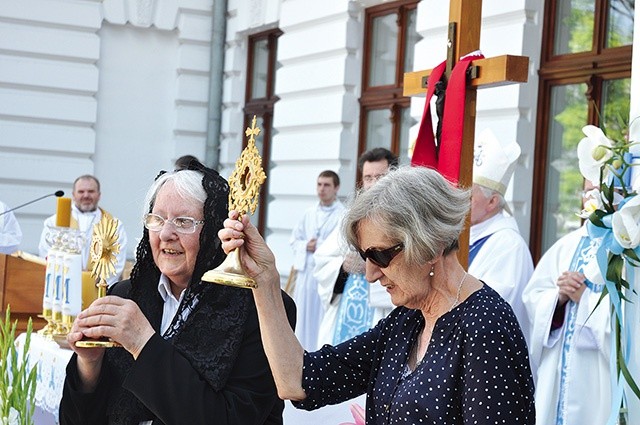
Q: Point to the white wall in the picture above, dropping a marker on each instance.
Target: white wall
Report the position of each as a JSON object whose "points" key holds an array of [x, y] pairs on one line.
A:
{"points": [[115, 88], [48, 82]]}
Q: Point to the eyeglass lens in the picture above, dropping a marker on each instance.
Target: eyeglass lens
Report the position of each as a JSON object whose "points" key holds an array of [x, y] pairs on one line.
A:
{"points": [[381, 257], [155, 222]]}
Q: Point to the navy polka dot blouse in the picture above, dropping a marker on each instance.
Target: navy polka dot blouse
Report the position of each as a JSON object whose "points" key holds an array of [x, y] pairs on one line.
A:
{"points": [[475, 371]]}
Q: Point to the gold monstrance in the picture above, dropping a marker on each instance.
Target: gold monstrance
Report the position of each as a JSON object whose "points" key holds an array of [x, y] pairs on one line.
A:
{"points": [[104, 247], [244, 189]]}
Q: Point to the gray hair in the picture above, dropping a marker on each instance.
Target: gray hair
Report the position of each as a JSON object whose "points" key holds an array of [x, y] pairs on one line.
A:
{"points": [[415, 206], [488, 193], [187, 183]]}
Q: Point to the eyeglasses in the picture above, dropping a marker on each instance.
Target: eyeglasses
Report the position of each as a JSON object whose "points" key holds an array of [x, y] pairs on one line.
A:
{"points": [[184, 225], [372, 178], [381, 257]]}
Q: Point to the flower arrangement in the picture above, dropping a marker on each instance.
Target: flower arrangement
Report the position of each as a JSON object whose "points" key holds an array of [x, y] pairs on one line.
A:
{"points": [[613, 211], [17, 383]]}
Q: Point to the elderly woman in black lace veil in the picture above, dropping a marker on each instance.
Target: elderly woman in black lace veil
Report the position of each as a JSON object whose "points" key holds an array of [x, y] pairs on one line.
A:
{"points": [[191, 351]]}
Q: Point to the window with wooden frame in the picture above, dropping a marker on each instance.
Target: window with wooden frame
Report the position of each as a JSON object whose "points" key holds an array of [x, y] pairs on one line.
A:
{"points": [[259, 101], [389, 38], [585, 78]]}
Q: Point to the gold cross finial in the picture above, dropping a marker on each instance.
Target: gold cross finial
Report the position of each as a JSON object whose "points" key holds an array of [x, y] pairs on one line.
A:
{"points": [[253, 131], [248, 176]]}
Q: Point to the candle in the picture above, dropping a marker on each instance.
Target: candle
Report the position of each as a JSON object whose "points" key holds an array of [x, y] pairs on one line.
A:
{"points": [[56, 290], [72, 286], [47, 299], [63, 213]]}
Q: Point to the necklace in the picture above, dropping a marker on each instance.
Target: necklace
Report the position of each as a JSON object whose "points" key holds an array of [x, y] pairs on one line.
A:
{"points": [[416, 349], [457, 300]]}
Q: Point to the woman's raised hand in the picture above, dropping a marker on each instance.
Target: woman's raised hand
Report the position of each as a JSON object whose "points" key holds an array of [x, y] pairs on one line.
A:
{"points": [[255, 256]]}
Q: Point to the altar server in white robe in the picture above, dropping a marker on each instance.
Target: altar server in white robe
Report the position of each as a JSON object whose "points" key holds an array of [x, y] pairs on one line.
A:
{"points": [[351, 304], [571, 338], [10, 233], [498, 255], [310, 233]]}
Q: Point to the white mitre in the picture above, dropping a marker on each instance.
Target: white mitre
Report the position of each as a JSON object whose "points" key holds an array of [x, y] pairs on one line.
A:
{"points": [[494, 162]]}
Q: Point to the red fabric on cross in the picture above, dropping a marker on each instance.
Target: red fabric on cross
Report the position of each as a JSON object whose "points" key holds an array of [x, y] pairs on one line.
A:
{"points": [[446, 159]]}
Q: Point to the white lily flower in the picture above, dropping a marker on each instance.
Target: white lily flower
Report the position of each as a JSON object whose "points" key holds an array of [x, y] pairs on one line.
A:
{"points": [[593, 151], [625, 224], [592, 202]]}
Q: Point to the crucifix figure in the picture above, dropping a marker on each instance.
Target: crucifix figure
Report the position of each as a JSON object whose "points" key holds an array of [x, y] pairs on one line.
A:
{"points": [[464, 38]]}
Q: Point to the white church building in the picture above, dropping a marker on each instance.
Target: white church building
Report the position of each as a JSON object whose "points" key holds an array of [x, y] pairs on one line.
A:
{"points": [[121, 88]]}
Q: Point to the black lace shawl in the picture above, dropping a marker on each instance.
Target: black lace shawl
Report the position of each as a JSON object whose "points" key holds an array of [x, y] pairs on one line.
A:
{"points": [[212, 333]]}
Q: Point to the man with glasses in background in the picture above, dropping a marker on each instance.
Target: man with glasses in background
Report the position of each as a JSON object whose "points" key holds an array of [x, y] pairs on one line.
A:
{"points": [[351, 305]]}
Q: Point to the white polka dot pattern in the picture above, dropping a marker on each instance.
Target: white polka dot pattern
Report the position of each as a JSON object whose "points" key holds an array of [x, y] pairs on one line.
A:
{"points": [[476, 369]]}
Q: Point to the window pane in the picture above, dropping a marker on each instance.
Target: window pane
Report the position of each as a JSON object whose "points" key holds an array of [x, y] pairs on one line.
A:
{"points": [[405, 125], [563, 179], [411, 38], [384, 47], [260, 69], [616, 97], [378, 129], [574, 26], [620, 23]]}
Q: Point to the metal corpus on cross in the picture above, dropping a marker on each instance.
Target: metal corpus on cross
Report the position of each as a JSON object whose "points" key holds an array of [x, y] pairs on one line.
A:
{"points": [[465, 18]]}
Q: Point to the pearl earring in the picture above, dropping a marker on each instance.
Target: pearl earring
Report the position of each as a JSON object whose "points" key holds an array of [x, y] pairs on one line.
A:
{"points": [[431, 273]]}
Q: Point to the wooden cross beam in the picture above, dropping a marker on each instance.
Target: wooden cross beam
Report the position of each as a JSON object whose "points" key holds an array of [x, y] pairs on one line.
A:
{"points": [[465, 17]]}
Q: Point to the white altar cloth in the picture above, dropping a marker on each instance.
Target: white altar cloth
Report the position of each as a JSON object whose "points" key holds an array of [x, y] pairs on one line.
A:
{"points": [[51, 361]]}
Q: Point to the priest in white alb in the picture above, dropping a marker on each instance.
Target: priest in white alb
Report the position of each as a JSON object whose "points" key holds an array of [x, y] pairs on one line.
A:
{"points": [[498, 255], [309, 234], [570, 340]]}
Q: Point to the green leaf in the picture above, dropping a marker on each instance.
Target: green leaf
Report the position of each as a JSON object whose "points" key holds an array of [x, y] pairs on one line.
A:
{"points": [[596, 218], [614, 270], [15, 372], [627, 375], [632, 256]]}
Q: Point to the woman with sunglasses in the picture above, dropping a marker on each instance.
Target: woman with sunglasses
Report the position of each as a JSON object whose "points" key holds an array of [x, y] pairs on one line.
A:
{"points": [[191, 351], [450, 353]]}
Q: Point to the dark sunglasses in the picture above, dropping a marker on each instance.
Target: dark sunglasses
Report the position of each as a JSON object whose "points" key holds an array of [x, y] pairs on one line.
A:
{"points": [[381, 257]]}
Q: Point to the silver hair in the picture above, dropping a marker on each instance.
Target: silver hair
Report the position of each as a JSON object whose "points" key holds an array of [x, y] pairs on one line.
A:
{"points": [[187, 183], [488, 193], [415, 206]]}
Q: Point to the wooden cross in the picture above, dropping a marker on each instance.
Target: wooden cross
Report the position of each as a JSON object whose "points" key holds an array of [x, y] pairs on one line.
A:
{"points": [[465, 17]]}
